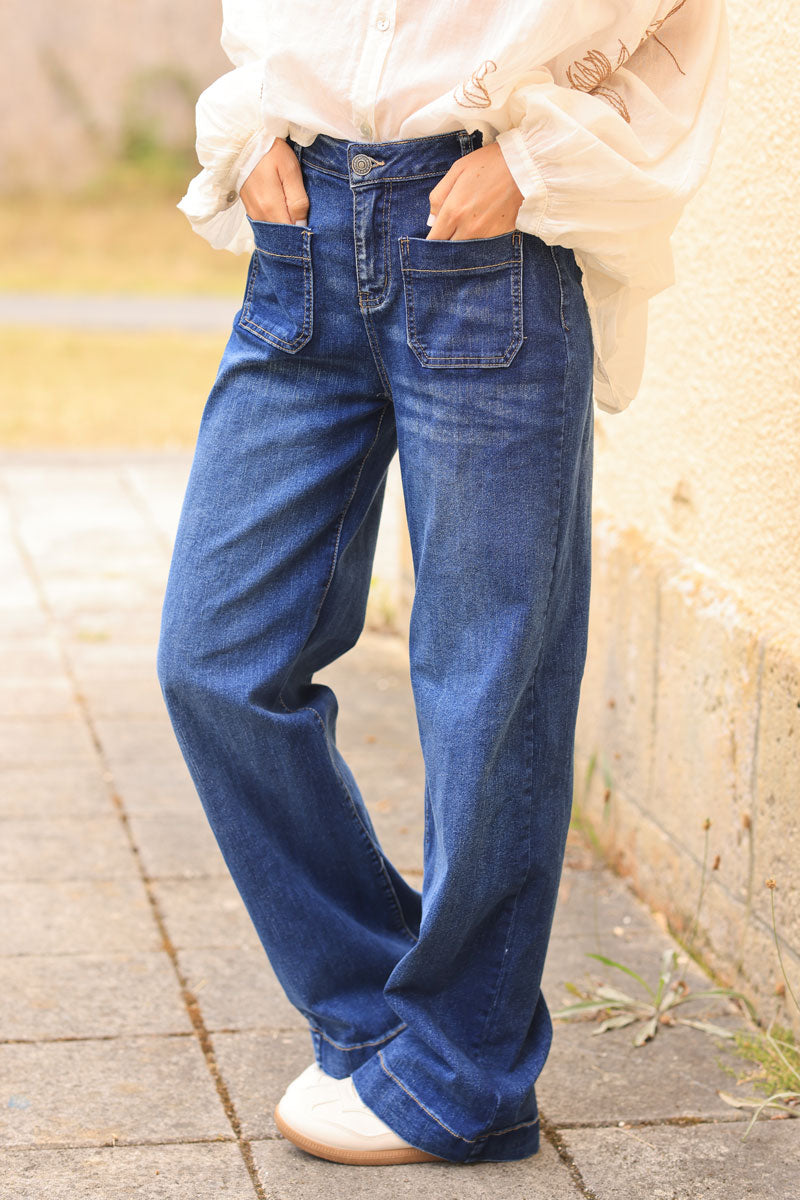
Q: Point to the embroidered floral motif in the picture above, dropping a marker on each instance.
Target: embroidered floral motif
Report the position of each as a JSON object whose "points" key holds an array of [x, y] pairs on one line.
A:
{"points": [[473, 89], [588, 74], [654, 26]]}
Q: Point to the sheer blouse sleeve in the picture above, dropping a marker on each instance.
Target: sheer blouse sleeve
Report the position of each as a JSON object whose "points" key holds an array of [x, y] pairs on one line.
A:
{"points": [[233, 132], [608, 141]]}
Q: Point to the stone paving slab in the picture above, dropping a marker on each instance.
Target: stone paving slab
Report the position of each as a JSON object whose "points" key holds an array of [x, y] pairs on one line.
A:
{"points": [[36, 698], [127, 1089], [89, 598], [109, 554], [288, 1174], [597, 914], [118, 642], [121, 697], [89, 995], [158, 481], [195, 1171], [165, 790], [569, 961], [21, 619], [123, 741], [236, 988], [54, 790], [592, 901], [204, 913], [44, 740], [37, 657], [701, 1162], [257, 1068], [76, 916], [65, 848], [604, 1079], [178, 846]]}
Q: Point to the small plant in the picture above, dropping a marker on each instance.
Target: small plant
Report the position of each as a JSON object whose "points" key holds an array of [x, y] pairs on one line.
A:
{"points": [[653, 1009], [655, 1006], [776, 1053]]}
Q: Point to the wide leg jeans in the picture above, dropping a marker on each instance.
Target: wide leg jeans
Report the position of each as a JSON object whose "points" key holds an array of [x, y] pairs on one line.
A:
{"points": [[359, 337]]}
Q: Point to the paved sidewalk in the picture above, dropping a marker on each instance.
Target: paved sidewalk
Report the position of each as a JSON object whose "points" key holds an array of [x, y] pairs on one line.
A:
{"points": [[191, 314], [145, 1040]]}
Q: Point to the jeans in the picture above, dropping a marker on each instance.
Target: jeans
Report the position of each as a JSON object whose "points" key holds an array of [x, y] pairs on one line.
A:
{"points": [[357, 338]]}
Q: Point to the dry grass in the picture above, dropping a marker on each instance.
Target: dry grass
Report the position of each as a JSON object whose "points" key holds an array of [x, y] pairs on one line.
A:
{"points": [[130, 240], [65, 388], [70, 388]]}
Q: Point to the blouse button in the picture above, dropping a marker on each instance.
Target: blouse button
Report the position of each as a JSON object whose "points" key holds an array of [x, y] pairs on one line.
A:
{"points": [[382, 22], [231, 196]]}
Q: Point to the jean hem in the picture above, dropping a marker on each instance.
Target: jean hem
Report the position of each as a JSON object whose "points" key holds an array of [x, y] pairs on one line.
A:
{"points": [[388, 1097], [340, 1061]]}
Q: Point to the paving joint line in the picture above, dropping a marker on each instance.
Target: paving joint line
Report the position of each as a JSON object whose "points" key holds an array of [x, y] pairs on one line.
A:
{"points": [[553, 1135], [643, 1122], [120, 1037], [140, 503], [94, 1037], [27, 1147], [117, 1143], [188, 997]]}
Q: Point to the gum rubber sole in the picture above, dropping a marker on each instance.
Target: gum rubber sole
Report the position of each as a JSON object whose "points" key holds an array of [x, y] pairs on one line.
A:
{"points": [[355, 1158]]}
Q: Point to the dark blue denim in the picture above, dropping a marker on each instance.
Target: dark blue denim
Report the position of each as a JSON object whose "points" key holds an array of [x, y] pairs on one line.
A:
{"points": [[358, 336]]}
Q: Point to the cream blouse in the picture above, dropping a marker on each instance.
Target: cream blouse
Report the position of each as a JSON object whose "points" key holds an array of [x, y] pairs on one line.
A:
{"points": [[607, 114]]}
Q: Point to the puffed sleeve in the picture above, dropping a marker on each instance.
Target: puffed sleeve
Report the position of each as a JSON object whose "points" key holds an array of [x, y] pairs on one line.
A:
{"points": [[233, 133], [607, 142]]}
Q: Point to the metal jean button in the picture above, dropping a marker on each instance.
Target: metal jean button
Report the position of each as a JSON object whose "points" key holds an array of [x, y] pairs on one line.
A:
{"points": [[362, 164]]}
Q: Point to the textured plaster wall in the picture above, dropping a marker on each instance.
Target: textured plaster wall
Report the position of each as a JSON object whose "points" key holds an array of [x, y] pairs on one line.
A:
{"points": [[707, 457], [691, 700]]}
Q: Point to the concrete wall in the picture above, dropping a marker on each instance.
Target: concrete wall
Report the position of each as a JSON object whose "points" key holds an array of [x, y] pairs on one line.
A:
{"points": [[76, 75]]}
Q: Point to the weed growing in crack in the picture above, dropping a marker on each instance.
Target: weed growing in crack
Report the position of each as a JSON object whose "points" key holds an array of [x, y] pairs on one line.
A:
{"points": [[774, 1052], [654, 1006]]}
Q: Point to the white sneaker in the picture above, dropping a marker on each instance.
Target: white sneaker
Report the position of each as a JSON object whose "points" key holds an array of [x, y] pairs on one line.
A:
{"points": [[327, 1117]]}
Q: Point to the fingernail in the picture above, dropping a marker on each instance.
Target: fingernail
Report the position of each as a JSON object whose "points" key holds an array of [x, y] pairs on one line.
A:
{"points": [[299, 222], [431, 219]]}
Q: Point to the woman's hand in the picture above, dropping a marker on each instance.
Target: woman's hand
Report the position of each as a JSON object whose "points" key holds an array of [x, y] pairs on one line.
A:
{"points": [[274, 191], [476, 198]]}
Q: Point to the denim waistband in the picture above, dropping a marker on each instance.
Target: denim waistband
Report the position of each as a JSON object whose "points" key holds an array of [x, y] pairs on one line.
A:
{"points": [[364, 163]]}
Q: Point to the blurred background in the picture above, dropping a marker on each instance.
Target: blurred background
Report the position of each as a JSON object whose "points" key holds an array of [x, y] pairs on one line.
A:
{"points": [[97, 154]]}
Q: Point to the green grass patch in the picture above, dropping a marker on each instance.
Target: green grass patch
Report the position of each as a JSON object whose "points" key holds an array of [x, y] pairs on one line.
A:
{"points": [[772, 1071]]}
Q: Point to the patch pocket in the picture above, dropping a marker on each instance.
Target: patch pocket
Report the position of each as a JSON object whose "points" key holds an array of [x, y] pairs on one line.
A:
{"points": [[463, 299], [279, 298]]}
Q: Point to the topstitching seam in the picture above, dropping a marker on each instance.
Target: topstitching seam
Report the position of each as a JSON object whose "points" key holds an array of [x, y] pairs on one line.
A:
{"points": [[248, 322], [545, 625], [485, 359], [359, 1045], [452, 1132]]}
